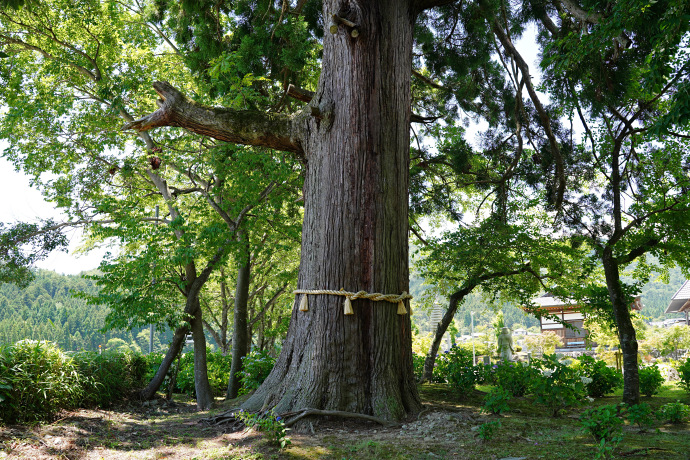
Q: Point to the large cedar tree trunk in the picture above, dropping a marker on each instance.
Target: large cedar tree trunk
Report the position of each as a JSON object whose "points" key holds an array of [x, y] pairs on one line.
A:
{"points": [[354, 141], [355, 228], [626, 330]]}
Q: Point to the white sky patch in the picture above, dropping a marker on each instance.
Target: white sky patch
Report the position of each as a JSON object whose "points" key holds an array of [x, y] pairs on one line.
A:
{"points": [[22, 203]]}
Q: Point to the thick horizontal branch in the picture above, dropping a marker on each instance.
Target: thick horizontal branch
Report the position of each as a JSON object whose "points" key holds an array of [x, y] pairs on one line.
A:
{"points": [[246, 127]]}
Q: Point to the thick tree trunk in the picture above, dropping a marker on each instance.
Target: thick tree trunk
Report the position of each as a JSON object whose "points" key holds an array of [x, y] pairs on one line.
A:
{"points": [[240, 345], [626, 330], [354, 139], [204, 394], [355, 227]]}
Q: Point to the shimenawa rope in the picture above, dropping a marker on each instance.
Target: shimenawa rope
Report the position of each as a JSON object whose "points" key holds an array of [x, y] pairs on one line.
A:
{"points": [[350, 296]]}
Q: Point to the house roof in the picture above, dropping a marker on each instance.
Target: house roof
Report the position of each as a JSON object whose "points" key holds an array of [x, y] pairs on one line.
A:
{"points": [[548, 300], [680, 299]]}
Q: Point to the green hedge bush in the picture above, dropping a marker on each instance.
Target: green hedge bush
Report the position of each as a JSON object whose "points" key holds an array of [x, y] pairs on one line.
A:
{"points": [[38, 380], [218, 367], [110, 377]]}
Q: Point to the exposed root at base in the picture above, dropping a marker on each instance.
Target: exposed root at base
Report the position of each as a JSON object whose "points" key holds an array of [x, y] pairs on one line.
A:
{"points": [[235, 424], [300, 414]]}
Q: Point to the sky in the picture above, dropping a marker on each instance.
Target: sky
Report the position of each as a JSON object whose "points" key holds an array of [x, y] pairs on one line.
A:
{"points": [[22, 203]]}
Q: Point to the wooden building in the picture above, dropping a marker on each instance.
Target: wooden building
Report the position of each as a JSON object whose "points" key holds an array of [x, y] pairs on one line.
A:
{"points": [[568, 312], [680, 302]]}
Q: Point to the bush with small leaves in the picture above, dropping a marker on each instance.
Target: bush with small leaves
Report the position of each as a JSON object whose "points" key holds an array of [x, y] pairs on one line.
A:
{"points": [[516, 378], [557, 386], [604, 379], [496, 401], [640, 415], [455, 366], [418, 365], [271, 424], [684, 374], [255, 368], [650, 380], [218, 370], [605, 426], [675, 412], [488, 430]]}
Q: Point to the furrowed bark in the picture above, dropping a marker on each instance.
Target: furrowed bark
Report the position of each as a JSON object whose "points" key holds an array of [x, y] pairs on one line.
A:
{"points": [[354, 135]]}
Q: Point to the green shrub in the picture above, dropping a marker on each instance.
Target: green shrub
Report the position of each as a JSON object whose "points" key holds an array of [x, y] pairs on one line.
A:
{"points": [[605, 426], [640, 414], [604, 379], [418, 365], [271, 424], [110, 377], [516, 378], [650, 380], [38, 380], [675, 412], [558, 387], [218, 369], [455, 367], [255, 368], [684, 374], [496, 401], [488, 430]]}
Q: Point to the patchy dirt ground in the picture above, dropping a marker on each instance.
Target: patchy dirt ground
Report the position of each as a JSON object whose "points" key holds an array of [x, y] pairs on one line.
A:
{"points": [[447, 428]]}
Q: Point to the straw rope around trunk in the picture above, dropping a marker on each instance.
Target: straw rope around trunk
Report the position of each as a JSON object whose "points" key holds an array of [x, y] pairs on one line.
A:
{"points": [[350, 296]]}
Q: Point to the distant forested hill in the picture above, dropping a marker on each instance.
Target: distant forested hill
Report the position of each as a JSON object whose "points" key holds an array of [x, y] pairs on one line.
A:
{"points": [[45, 310]]}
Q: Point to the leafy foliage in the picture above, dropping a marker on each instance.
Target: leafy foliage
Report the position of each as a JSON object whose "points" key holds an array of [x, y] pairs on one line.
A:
{"points": [[271, 424], [674, 412], [604, 379], [515, 378], [456, 367], [639, 414], [488, 430], [218, 372], [684, 373], [22, 244], [605, 426], [109, 377], [650, 380], [558, 387], [37, 380], [496, 401], [255, 368]]}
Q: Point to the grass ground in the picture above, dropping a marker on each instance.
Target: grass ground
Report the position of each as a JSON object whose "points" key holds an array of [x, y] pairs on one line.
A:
{"points": [[447, 428]]}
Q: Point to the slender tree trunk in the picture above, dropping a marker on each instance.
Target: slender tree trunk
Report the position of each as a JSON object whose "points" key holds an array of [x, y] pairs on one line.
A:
{"points": [[176, 345], [355, 227], [240, 337], [441, 329], [204, 394], [626, 330]]}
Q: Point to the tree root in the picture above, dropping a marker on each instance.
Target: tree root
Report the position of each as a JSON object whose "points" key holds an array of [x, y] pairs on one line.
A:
{"points": [[228, 418], [300, 414]]}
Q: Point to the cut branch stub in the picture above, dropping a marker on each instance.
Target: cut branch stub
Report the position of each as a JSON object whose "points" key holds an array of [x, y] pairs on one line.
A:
{"points": [[336, 20]]}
